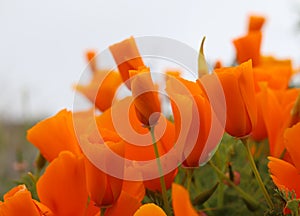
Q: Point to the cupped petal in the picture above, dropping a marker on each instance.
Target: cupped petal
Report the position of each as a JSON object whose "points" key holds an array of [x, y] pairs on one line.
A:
{"points": [[150, 209], [291, 141], [181, 201], [54, 135], [284, 175], [63, 186], [18, 201]]}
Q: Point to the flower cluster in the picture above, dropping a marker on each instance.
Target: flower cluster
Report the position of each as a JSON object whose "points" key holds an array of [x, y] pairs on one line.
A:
{"points": [[125, 156]]}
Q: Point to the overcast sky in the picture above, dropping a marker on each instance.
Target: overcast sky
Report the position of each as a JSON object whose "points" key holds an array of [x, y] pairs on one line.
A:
{"points": [[42, 43]]}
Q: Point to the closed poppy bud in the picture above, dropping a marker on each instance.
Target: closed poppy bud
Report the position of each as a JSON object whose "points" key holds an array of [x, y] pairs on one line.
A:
{"points": [[145, 95], [127, 57], [238, 87]]}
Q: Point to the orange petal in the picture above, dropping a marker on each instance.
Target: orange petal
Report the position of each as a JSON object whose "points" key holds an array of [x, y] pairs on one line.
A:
{"points": [[238, 86], [292, 141], [103, 189], [248, 47], [102, 88], [146, 99], [127, 57], [149, 209], [18, 201], [55, 134], [181, 201], [126, 205], [63, 187], [284, 175], [256, 23], [260, 131]]}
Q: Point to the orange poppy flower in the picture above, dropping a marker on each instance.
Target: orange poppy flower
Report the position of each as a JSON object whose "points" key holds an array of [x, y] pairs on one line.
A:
{"points": [[122, 119], [285, 175], [103, 189], [149, 209], [194, 105], [18, 201], [54, 134], [248, 47], [127, 57], [256, 23], [292, 140], [276, 113], [129, 201], [276, 73], [145, 95], [62, 187], [102, 88], [181, 201], [238, 86]]}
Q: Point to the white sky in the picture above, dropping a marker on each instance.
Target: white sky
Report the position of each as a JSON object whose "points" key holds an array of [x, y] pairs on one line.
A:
{"points": [[42, 43]]}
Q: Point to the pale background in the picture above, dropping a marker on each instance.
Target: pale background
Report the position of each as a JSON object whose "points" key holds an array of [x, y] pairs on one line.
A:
{"points": [[42, 43]]}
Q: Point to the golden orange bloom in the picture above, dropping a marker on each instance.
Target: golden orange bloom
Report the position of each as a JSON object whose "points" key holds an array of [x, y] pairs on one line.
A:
{"points": [[103, 189], [55, 134], [276, 108], [145, 95], [102, 88], [276, 73], [292, 140], [238, 86], [256, 23], [63, 186], [248, 47], [181, 201], [129, 200], [18, 201], [127, 57], [285, 175], [124, 112], [149, 209], [193, 103], [260, 131]]}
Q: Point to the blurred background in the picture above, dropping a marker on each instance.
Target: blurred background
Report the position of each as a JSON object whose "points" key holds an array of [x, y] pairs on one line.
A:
{"points": [[42, 46]]}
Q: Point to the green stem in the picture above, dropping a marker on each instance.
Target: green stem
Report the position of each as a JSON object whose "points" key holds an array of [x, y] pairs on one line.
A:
{"points": [[257, 175], [102, 211], [221, 186], [161, 178], [189, 173], [242, 193]]}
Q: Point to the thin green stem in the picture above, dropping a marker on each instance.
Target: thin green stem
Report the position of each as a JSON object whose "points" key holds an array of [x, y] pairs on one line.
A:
{"points": [[257, 175], [189, 173], [221, 186], [102, 211], [161, 178], [242, 193]]}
